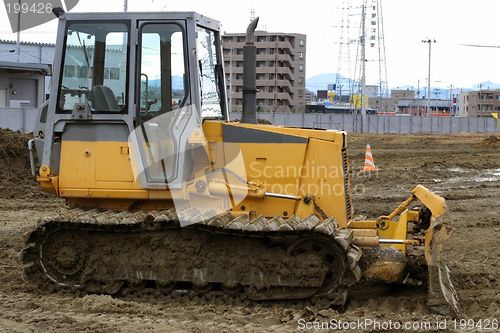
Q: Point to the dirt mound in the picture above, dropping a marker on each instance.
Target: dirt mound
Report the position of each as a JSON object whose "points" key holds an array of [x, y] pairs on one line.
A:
{"points": [[16, 180], [491, 141]]}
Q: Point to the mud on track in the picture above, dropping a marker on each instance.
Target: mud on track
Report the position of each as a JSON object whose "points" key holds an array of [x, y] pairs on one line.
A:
{"points": [[463, 168]]}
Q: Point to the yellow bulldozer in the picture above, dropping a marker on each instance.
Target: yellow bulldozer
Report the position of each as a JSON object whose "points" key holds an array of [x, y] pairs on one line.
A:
{"points": [[164, 193]]}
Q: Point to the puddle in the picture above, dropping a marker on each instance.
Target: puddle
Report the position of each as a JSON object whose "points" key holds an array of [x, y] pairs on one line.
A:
{"points": [[488, 175], [457, 169]]}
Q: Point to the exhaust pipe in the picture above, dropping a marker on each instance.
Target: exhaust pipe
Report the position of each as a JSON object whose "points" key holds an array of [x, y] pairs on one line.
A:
{"points": [[249, 113]]}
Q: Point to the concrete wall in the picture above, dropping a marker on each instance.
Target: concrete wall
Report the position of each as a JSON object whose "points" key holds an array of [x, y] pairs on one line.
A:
{"points": [[383, 123], [22, 119]]}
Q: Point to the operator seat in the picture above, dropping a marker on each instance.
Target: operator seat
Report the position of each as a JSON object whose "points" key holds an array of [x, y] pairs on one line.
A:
{"points": [[104, 99]]}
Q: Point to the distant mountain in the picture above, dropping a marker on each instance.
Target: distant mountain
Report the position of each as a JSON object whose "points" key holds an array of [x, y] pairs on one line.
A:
{"points": [[177, 83], [486, 85], [321, 82]]}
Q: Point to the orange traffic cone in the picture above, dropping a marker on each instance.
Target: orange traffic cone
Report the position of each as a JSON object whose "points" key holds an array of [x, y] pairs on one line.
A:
{"points": [[369, 165]]}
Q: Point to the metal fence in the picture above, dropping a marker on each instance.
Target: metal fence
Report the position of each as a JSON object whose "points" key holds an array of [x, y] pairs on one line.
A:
{"points": [[18, 119], [382, 123], [23, 119]]}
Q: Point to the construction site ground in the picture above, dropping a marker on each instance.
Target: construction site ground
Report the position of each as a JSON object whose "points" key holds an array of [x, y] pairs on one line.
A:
{"points": [[463, 168]]}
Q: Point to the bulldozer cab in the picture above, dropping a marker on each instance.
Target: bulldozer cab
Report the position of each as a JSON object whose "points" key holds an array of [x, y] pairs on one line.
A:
{"points": [[158, 74]]}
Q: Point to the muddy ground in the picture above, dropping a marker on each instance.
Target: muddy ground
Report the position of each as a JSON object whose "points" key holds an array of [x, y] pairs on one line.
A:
{"points": [[463, 168]]}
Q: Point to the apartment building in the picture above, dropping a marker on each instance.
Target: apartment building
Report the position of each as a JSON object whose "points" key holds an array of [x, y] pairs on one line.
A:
{"points": [[479, 103], [281, 71]]}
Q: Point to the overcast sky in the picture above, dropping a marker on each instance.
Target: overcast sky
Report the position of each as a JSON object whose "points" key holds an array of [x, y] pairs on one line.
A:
{"points": [[406, 24]]}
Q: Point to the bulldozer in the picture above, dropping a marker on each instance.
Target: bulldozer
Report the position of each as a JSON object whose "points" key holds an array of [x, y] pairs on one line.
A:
{"points": [[164, 193]]}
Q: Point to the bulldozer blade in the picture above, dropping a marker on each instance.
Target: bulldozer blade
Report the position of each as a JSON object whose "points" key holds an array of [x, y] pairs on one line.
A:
{"points": [[442, 295]]}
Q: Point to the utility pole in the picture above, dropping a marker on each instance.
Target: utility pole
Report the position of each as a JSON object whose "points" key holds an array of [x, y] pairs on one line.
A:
{"points": [[479, 100], [418, 97], [230, 79], [18, 42], [364, 126], [451, 99], [429, 41]]}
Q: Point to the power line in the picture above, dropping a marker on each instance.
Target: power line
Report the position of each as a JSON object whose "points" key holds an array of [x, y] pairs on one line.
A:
{"points": [[476, 45]]}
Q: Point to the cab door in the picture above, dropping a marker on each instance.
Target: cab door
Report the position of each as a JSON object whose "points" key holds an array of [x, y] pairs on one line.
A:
{"points": [[164, 104]]}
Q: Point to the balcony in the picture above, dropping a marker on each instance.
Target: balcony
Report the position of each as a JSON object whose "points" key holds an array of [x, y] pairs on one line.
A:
{"points": [[234, 57], [285, 71], [266, 57], [266, 45], [236, 83], [233, 45], [283, 83], [284, 45], [235, 70]]}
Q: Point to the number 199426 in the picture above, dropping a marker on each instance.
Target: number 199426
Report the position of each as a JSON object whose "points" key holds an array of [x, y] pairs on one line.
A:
{"points": [[484, 324], [35, 8]]}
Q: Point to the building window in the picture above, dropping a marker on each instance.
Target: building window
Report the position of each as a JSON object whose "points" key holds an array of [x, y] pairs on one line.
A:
{"points": [[301, 54], [301, 80], [69, 71], [112, 73], [82, 71], [301, 67], [302, 42]]}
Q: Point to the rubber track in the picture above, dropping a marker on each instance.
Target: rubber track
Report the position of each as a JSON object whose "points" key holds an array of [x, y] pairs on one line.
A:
{"points": [[143, 221]]}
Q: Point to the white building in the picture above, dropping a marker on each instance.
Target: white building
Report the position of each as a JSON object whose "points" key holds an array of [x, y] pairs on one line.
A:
{"points": [[25, 75]]}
